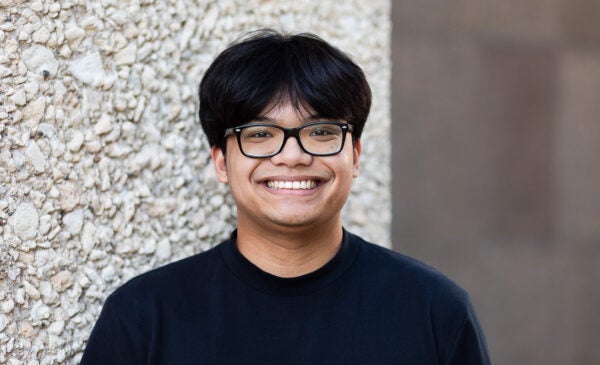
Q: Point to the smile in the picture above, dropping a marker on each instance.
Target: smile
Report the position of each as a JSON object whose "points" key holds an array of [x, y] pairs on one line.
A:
{"points": [[292, 185]]}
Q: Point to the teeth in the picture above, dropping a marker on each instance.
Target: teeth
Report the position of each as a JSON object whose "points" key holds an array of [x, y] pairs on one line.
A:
{"points": [[292, 185]]}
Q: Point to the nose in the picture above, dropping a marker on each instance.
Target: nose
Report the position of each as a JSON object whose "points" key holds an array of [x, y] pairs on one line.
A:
{"points": [[292, 154]]}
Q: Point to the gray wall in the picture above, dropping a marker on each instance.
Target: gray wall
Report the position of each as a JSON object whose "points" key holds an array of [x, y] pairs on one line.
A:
{"points": [[496, 164]]}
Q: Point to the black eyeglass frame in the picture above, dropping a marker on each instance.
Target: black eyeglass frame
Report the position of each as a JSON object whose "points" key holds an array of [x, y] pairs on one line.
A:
{"points": [[289, 132]]}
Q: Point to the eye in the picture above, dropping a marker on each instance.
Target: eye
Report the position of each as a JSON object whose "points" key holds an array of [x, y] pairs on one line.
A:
{"points": [[320, 132], [324, 131], [260, 134]]}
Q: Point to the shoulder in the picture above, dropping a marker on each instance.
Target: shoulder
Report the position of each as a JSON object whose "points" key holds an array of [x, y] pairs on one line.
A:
{"points": [[408, 283], [169, 279], [409, 276], [411, 286], [131, 314]]}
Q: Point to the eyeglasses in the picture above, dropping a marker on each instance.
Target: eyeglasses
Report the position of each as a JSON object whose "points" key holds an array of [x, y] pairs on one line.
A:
{"points": [[267, 140]]}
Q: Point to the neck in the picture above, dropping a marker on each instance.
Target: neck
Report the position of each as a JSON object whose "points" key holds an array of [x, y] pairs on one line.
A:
{"points": [[289, 251]]}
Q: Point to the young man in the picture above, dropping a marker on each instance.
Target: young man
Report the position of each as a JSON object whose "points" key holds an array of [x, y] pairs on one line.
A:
{"points": [[284, 116]]}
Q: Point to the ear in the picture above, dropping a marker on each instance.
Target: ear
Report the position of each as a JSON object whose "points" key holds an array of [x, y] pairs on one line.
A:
{"points": [[219, 164], [356, 149]]}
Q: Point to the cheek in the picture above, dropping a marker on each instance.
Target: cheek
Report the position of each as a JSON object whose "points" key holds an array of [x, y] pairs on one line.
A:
{"points": [[240, 170], [351, 163], [345, 172]]}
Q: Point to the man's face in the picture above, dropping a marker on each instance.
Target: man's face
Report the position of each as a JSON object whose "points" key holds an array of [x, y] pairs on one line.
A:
{"points": [[320, 185]]}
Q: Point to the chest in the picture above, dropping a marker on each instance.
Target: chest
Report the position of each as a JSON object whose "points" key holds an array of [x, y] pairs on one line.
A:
{"points": [[349, 324]]}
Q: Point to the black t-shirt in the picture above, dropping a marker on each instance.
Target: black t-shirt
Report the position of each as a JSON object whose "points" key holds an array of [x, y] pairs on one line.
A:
{"points": [[368, 305]]}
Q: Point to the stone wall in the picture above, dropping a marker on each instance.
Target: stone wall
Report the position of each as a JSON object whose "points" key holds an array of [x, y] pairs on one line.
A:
{"points": [[104, 171]]}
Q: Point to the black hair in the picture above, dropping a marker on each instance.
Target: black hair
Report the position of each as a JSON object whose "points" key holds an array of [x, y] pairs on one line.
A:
{"points": [[266, 67]]}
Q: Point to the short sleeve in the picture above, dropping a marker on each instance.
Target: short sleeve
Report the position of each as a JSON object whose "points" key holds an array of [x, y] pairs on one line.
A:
{"points": [[469, 346]]}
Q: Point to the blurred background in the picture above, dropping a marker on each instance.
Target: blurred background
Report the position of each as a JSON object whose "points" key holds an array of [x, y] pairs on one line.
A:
{"points": [[496, 164]]}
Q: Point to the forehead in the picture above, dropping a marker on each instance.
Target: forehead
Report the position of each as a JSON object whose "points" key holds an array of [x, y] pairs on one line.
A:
{"points": [[287, 107], [285, 113]]}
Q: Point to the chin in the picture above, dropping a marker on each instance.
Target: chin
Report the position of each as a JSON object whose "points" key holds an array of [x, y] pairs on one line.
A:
{"points": [[301, 221], [293, 220], [293, 223]]}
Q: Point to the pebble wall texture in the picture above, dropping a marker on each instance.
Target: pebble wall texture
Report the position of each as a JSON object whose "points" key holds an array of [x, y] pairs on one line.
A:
{"points": [[104, 170]]}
